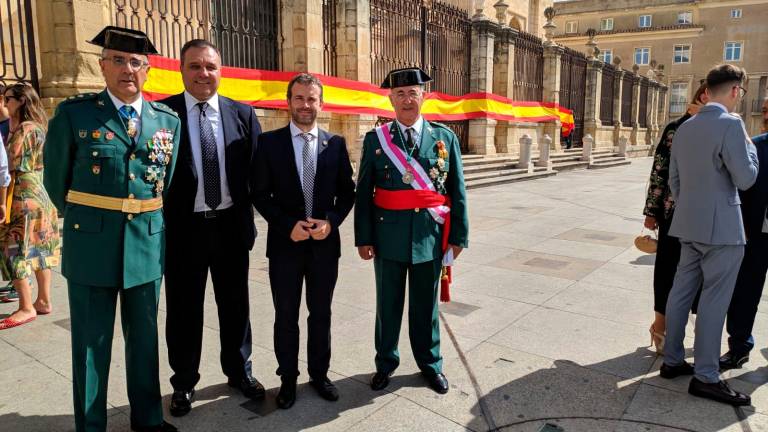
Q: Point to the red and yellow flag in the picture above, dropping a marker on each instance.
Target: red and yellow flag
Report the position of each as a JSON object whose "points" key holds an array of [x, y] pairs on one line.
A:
{"points": [[267, 89]]}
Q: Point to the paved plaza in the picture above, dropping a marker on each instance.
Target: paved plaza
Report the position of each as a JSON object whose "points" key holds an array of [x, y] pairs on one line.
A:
{"points": [[549, 324]]}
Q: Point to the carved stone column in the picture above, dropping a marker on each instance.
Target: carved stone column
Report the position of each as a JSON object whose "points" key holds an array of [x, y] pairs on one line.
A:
{"points": [[481, 131]]}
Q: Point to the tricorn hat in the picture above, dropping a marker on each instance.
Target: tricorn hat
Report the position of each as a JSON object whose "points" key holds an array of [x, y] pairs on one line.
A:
{"points": [[405, 77], [123, 39]]}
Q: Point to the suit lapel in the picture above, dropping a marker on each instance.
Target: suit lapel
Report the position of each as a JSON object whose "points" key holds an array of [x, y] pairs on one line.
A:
{"points": [[148, 128], [185, 152], [290, 155], [109, 116], [228, 118], [428, 140], [322, 145]]}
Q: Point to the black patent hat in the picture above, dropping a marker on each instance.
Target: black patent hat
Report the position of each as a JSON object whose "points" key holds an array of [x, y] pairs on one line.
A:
{"points": [[405, 77], [123, 39]]}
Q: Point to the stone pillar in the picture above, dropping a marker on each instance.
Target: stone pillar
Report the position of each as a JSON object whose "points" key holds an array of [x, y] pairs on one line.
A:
{"points": [[592, 97], [68, 64], [544, 146], [552, 56], [617, 97], [481, 131], [526, 146], [353, 59], [301, 23], [653, 127], [586, 148], [635, 109], [503, 80]]}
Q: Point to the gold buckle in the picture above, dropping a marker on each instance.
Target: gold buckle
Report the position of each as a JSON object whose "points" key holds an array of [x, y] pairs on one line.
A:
{"points": [[131, 206]]}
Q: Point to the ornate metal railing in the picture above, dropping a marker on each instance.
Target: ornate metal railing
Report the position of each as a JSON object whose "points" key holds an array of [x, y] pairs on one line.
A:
{"points": [[18, 59], [529, 68], [246, 34], [606, 95], [573, 80], [330, 66], [627, 96]]}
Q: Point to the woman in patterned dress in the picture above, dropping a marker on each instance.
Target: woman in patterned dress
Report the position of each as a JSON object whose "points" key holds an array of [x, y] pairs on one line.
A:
{"points": [[659, 209], [29, 236]]}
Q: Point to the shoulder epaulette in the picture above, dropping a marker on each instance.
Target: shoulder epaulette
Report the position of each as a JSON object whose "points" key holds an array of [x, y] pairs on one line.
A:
{"points": [[164, 108], [79, 98], [440, 125]]}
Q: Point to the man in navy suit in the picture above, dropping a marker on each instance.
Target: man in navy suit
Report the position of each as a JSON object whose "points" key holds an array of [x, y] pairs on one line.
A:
{"points": [[209, 217], [304, 189], [749, 284]]}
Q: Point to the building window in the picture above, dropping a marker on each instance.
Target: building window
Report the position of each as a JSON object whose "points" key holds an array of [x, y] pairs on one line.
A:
{"points": [[642, 56], [735, 13], [572, 27], [684, 17], [644, 22], [682, 54], [606, 24], [678, 98], [606, 56], [732, 51]]}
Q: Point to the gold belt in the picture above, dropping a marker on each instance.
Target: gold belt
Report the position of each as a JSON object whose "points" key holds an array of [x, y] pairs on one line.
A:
{"points": [[125, 205]]}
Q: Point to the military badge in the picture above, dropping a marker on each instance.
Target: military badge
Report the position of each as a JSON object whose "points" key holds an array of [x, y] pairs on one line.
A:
{"points": [[96, 134], [133, 126], [160, 147], [82, 133], [152, 173], [159, 186], [378, 152], [100, 103], [438, 173], [109, 135], [96, 169]]}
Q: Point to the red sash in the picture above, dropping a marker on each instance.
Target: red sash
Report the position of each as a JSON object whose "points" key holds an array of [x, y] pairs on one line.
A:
{"points": [[413, 199]]}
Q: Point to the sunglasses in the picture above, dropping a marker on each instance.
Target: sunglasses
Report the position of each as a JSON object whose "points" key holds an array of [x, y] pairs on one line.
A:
{"points": [[7, 98]]}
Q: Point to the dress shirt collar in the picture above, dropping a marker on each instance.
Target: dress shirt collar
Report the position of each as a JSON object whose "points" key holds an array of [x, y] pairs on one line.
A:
{"points": [[137, 104], [191, 102], [719, 105], [295, 131], [417, 127]]}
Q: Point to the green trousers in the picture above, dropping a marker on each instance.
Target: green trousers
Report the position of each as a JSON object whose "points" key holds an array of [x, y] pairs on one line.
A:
{"points": [[423, 327], [92, 311]]}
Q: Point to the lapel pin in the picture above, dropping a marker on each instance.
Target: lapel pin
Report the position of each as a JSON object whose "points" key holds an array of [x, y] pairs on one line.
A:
{"points": [[100, 103], [96, 134], [378, 152], [82, 133], [96, 169], [325, 143]]}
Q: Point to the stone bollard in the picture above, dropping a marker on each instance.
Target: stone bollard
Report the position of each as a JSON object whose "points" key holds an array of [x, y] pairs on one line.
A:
{"points": [[525, 153], [544, 149], [623, 141], [586, 148]]}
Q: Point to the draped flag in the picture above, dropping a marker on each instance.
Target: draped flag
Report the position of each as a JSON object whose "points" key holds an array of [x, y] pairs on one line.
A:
{"points": [[266, 89]]}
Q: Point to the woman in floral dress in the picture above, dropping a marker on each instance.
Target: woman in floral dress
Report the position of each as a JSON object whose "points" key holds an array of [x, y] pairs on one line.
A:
{"points": [[29, 236], [659, 209]]}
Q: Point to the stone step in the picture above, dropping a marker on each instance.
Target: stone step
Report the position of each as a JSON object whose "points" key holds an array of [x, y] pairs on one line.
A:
{"points": [[487, 161], [508, 164], [609, 164], [497, 173], [510, 178], [569, 165]]}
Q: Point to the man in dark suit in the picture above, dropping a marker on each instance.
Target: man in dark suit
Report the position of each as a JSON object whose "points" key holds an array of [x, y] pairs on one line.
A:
{"points": [[304, 190], [749, 283], [210, 226]]}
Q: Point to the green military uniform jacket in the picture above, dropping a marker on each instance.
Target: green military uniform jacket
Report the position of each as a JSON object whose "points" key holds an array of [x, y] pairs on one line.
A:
{"points": [[88, 150], [408, 235]]}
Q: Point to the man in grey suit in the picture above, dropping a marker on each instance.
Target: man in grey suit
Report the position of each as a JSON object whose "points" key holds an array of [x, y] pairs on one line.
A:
{"points": [[712, 157]]}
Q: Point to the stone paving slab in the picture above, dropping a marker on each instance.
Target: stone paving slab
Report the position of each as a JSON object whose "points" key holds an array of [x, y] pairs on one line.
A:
{"points": [[549, 324]]}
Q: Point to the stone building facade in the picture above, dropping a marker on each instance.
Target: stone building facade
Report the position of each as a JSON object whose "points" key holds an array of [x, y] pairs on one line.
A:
{"points": [[682, 38]]}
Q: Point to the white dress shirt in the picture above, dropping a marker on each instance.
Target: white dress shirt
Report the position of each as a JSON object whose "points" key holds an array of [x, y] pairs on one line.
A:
{"points": [[298, 148], [416, 133], [193, 127], [5, 176], [137, 105]]}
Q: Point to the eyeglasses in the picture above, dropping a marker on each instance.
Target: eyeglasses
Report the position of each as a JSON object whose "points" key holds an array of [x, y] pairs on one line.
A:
{"points": [[134, 63], [7, 98], [742, 90]]}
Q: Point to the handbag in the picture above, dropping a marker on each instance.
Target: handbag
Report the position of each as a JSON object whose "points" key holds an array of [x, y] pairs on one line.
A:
{"points": [[9, 200], [646, 243]]}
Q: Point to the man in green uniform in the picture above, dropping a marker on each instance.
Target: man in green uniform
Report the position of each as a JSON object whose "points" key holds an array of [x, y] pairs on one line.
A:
{"points": [[410, 190], [108, 158]]}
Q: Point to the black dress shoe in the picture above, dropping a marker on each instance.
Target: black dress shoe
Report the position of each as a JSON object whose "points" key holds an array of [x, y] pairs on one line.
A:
{"points": [[325, 388], [162, 427], [437, 382], [719, 391], [379, 381], [670, 372], [286, 397], [250, 386], [181, 402], [733, 360]]}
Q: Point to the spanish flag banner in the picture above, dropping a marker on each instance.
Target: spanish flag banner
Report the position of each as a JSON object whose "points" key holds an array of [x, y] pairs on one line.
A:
{"points": [[267, 89]]}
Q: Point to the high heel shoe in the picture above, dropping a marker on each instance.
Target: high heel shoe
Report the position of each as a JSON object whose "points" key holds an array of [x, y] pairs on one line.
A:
{"points": [[657, 339]]}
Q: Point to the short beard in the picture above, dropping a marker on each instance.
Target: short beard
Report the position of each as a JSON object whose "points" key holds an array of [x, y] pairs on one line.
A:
{"points": [[297, 121]]}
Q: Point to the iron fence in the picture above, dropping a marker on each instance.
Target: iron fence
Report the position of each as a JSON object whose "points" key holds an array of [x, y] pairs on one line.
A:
{"points": [[18, 58], [528, 84], [642, 120], [245, 31], [330, 66], [429, 34], [573, 80], [606, 95], [627, 96]]}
